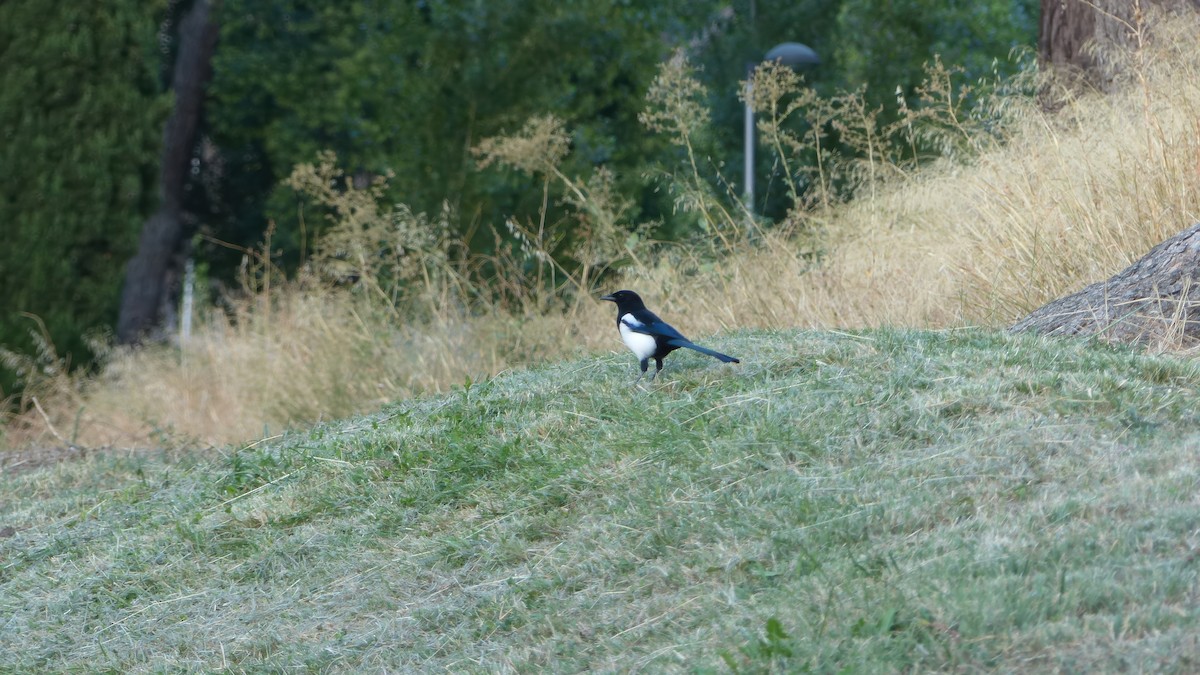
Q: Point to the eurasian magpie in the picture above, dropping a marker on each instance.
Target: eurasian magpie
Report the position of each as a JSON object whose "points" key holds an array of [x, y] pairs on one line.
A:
{"points": [[648, 336]]}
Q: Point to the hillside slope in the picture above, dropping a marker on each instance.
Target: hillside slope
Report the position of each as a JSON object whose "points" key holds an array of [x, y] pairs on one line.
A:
{"points": [[878, 501]]}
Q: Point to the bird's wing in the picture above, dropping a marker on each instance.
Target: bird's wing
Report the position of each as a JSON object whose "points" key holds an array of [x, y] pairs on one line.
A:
{"points": [[647, 322]]}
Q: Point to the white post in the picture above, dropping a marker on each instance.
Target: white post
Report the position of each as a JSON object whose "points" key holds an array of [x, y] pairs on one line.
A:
{"points": [[748, 184], [189, 294]]}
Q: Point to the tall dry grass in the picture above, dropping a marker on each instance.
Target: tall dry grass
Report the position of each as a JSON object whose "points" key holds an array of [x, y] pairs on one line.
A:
{"points": [[1026, 206], [1067, 198]]}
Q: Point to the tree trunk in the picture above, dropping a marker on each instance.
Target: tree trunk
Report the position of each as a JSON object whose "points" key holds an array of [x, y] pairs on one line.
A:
{"points": [[1156, 299], [148, 273], [1083, 36], [1071, 30]]}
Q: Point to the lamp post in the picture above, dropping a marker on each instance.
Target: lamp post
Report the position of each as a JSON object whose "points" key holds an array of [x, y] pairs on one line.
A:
{"points": [[793, 55]]}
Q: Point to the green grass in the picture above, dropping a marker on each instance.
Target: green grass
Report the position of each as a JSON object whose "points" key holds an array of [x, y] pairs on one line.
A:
{"points": [[878, 501]]}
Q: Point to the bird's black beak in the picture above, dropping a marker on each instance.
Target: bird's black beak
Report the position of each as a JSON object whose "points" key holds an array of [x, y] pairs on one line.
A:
{"points": [[608, 298]]}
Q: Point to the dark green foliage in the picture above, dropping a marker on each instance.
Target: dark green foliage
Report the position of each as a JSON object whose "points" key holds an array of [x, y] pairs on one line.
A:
{"points": [[411, 87], [80, 127], [401, 87], [881, 45], [886, 43]]}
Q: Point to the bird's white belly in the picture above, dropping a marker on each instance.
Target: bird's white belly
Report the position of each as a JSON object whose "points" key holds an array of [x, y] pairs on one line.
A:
{"points": [[639, 343]]}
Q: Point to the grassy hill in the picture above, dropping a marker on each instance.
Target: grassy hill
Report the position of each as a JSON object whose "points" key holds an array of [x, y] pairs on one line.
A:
{"points": [[877, 501]]}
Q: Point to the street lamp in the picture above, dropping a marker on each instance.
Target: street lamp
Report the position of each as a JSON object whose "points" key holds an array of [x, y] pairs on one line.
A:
{"points": [[793, 55]]}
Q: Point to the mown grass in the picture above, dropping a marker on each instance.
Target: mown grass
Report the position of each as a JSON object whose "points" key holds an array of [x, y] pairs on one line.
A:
{"points": [[876, 501]]}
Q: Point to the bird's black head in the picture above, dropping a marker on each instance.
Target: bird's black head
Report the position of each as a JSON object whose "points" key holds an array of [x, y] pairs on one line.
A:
{"points": [[627, 301]]}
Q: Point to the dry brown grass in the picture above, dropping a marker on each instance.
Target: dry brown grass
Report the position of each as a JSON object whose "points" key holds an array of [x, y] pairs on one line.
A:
{"points": [[315, 356], [1067, 199]]}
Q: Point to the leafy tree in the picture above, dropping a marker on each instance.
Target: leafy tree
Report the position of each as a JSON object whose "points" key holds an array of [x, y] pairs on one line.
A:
{"points": [[81, 121], [881, 45], [885, 44], [410, 87], [406, 88], [403, 88]]}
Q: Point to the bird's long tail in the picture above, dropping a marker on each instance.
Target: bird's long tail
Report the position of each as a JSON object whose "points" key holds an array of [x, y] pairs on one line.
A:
{"points": [[717, 355]]}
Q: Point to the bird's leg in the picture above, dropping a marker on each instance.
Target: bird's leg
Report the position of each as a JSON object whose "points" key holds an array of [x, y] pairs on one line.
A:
{"points": [[657, 369], [644, 364]]}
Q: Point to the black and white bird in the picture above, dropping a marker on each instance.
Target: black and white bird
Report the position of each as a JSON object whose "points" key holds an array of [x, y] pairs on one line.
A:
{"points": [[648, 336]]}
